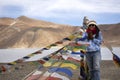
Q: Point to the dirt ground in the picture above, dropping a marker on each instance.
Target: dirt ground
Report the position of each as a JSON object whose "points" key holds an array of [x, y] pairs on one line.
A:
{"points": [[108, 71]]}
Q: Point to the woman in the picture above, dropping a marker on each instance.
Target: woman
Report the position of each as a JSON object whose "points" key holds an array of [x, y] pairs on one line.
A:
{"points": [[93, 51]]}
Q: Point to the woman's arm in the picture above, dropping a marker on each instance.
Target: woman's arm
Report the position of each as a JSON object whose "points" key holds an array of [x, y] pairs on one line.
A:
{"points": [[83, 38], [98, 40]]}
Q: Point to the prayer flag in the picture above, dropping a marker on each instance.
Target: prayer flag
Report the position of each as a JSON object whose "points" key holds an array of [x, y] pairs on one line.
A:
{"points": [[73, 66], [59, 76], [116, 60], [64, 70]]}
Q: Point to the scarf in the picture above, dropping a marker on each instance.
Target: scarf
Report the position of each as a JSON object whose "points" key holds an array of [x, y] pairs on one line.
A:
{"points": [[91, 31]]}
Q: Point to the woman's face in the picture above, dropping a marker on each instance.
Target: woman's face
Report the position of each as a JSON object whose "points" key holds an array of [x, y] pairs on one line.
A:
{"points": [[91, 27]]}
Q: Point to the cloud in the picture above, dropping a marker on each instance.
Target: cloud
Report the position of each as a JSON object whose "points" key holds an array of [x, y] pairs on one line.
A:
{"points": [[62, 11], [58, 8]]}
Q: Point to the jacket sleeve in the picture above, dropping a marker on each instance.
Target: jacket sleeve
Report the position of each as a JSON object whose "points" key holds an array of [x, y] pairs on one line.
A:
{"points": [[84, 37], [98, 40]]}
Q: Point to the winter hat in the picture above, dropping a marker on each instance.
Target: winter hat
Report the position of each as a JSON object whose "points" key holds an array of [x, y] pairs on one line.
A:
{"points": [[91, 22]]}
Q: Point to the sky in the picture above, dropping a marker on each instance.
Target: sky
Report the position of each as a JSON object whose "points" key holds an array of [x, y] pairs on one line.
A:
{"points": [[69, 12]]}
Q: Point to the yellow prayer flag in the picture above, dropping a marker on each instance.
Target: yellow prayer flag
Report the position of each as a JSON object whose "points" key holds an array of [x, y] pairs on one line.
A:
{"points": [[56, 64], [71, 37], [30, 55], [48, 47], [47, 64], [73, 66], [13, 63], [78, 49]]}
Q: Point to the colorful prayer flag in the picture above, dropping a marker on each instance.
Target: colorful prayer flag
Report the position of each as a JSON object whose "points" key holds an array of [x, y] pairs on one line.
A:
{"points": [[73, 66], [64, 70], [116, 60], [59, 76]]}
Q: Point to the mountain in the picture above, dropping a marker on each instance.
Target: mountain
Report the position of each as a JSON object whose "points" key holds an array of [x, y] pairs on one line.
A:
{"points": [[111, 33], [24, 32]]}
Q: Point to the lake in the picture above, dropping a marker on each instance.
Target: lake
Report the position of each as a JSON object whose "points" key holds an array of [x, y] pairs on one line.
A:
{"points": [[9, 55]]}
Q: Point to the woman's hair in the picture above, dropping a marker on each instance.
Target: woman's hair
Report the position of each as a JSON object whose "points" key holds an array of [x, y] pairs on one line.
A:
{"points": [[97, 31]]}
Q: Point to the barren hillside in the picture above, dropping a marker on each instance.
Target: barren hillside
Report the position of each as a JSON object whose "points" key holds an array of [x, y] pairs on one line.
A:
{"points": [[111, 33], [24, 32]]}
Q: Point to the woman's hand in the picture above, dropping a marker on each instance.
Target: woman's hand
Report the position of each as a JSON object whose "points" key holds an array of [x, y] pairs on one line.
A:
{"points": [[90, 36]]}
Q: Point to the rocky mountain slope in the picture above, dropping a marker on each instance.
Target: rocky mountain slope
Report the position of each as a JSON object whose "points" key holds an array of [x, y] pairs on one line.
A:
{"points": [[111, 33], [24, 32]]}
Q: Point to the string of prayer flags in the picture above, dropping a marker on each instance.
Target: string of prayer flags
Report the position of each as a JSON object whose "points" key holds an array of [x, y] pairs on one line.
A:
{"points": [[60, 65]]}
